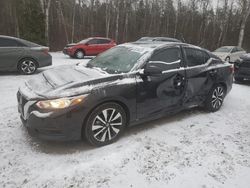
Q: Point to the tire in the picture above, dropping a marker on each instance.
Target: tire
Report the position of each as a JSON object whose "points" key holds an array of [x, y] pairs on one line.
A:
{"points": [[105, 124], [215, 98], [79, 54], [227, 59], [27, 66], [239, 79]]}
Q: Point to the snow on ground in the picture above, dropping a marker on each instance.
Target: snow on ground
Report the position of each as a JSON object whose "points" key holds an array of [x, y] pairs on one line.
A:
{"points": [[190, 149]]}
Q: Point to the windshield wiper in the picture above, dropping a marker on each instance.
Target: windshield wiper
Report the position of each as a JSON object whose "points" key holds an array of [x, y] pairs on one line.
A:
{"points": [[89, 65]]}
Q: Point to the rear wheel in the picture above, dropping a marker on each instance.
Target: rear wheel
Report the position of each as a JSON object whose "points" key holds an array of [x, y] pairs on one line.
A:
{"points": [[79, 54], [27, 66], [105, 124], [227, 59], [215, 98]]}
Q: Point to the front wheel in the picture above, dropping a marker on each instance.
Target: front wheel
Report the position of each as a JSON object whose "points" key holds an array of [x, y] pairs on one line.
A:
{"points": [[27, 66], [79, 54], [105, 124], [215, 98]]}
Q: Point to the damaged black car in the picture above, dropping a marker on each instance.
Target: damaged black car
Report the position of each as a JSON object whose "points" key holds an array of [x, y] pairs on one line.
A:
{"points": [[124, 86]]}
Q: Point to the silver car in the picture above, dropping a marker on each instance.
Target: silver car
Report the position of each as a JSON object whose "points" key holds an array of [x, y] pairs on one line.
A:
{"points": [[23, 56], [229, 53]]}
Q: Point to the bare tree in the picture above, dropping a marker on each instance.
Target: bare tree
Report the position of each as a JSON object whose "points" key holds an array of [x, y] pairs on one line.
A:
{"points": [[245, 6], [117, 20], [108, 16], [45, 5], [73, 22]]}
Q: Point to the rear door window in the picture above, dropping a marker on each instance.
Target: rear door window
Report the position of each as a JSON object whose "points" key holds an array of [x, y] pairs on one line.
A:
{"points": [[239, 49], [103, 41], [93, 41], [195, 57], [99, 41], [234, 50]]}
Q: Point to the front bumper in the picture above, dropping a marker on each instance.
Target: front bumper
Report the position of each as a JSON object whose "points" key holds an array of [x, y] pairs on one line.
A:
{"points": [[65, 51], [68, 51], [62, 125]]}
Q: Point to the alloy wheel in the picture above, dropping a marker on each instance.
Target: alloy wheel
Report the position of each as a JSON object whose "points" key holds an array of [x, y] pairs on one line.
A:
{"points": [[107, 125], [28, 67], [217, 97], [79, 55]]}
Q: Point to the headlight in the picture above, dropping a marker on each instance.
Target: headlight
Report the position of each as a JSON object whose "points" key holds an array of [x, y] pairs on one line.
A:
{"points": [[60, 103]]}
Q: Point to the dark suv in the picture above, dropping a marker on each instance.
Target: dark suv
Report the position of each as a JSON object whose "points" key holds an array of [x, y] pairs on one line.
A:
{"points": [[126, 85], [242, 68]]}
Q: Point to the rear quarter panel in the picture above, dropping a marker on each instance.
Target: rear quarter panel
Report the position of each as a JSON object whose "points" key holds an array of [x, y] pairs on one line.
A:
{"points": [[225, 75], [40, 57]]}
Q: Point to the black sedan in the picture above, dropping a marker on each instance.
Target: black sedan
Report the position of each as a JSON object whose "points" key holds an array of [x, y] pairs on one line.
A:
{"points": [[242, 68], [126, 85]]}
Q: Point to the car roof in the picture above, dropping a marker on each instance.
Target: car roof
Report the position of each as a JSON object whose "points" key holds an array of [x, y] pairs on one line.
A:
{"points": [[23, 41], [8, 37], [99, 38], [227, 46], [167, 39], [158, 45]]}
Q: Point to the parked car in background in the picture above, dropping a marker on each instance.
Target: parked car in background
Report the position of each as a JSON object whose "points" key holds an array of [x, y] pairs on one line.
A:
{"points": [[23, 56], [159, 39], [242, 68], [229, 53], [126, 85], [89, 47]]}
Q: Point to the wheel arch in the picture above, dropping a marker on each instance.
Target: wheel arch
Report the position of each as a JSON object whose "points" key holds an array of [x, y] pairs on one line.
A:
{"points": [[222, 84], [79, 49]]}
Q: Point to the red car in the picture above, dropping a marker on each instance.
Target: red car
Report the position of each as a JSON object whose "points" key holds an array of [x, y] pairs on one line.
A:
{"points": [[89, 47]]}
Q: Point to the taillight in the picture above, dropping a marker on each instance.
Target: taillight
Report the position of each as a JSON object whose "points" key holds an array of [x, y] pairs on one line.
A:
{"points": [[46, 51], [232, 69]]}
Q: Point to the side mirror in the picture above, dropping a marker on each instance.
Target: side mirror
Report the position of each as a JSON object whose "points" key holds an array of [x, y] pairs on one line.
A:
{"points": [[153, 69]]}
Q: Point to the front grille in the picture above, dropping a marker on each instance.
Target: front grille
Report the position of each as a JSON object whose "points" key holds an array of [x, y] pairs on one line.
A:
{"points": [[21, 102]]}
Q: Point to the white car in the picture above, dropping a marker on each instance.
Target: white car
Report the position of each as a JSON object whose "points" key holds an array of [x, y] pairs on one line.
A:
{"points": [[229, 53]]}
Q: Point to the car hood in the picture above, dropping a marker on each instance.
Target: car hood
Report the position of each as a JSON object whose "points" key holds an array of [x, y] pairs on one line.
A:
{"points": [[66, 81], [72, 44], [221, 55]]}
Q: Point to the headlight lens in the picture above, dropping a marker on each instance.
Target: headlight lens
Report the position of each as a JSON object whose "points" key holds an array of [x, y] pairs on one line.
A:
{"points": [[60, 103]]}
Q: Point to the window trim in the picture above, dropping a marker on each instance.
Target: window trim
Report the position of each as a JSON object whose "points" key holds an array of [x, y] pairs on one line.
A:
{"points": [[186, 60], [167, 48]]}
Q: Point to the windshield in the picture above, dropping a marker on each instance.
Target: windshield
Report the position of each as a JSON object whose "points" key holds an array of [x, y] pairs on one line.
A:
{"points": [[84, 41], [224, 49], [120, 59]]}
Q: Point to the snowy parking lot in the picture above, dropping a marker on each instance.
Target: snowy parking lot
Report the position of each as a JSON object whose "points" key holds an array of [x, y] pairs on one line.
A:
{"points": [[190, 149]]}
